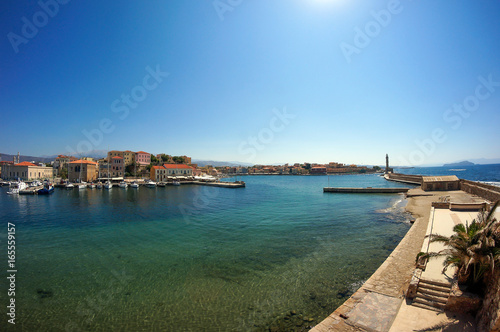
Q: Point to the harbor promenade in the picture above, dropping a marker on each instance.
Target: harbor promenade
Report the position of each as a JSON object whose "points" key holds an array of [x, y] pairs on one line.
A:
{"points": [[380, 305]]}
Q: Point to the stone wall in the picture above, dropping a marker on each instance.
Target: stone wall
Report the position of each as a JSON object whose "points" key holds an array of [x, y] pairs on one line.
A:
{"points": [[488, 318], [483, 190]]}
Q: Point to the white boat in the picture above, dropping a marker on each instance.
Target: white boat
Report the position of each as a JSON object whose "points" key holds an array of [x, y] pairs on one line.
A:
{"points": [[91, 185], [150, 184], [123, 184], [99, 185], [36, 183], [134, 185], [82, 185], [108, 185], [176, 183], [161, 184], [69, 185], [16, 187]]}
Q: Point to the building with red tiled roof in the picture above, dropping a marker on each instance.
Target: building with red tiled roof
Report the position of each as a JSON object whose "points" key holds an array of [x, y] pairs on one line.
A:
{"points": [[163, 173], [82, 170], [142, 158], [26, 171]]}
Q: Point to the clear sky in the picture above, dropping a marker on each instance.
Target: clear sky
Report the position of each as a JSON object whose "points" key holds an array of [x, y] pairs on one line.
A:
{"points": [[254, 81]]}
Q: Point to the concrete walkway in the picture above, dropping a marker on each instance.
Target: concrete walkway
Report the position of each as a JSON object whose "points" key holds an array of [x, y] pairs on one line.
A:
{"points": [[379, 305]]}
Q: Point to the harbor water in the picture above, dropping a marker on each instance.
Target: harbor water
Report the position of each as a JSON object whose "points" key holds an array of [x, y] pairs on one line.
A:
{"points": [[194, 258]]}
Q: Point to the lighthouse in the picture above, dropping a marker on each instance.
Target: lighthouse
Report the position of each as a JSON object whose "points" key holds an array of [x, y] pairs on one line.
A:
{"points": [[386, 163]]}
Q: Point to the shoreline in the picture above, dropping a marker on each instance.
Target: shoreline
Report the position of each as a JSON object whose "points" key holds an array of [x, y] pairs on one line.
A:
{"points": [[377, 302]]}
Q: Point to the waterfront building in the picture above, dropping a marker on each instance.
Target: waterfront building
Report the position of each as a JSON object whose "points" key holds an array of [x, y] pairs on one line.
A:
{"points": [[162, 173], [5, 163], [318, 170], [142, 158], [83, 170], [128, 158], [26, 171], [433, 183], [62, 162], [116, 167]]}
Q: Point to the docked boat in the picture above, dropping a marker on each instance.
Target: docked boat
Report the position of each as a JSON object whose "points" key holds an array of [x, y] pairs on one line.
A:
{"points": [[16, 187], [35, 183], [150, 184], [134, 185], [176, 183], [47, 189], [91, 185], [123, 184], [69, 185], [161, 184], [99, 185], [82, 185], [108, 185]]}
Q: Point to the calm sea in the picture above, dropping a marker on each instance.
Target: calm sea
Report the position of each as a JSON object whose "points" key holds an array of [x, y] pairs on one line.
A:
{"points": [[194, 258]]}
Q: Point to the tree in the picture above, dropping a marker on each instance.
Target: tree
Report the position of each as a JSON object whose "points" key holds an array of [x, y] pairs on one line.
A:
{"points": [[376, 168], [154, 160], [474, 249], [178, 160]]}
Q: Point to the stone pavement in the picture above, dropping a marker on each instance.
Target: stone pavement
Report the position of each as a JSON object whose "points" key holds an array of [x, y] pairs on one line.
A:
{"points": [[376, 304]]}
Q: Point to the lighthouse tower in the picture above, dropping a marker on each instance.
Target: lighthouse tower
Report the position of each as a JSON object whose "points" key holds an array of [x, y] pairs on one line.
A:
{"points": [[386, 164]]}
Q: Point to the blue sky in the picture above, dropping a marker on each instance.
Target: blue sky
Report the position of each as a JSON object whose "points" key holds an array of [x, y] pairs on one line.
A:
{"points": [[253, 81]]}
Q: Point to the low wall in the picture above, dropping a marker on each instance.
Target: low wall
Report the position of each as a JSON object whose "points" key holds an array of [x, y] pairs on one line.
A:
{"points": [[488, 318], [483, 190]]}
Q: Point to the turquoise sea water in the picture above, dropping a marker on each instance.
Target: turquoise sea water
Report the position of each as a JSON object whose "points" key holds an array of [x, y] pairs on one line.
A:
{"points": [[194, 258]]}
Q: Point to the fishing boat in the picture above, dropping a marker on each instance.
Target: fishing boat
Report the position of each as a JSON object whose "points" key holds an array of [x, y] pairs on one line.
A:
{"points": [[150, 184], [16, 187], [123, 184], [47, 189], [35, 183]]}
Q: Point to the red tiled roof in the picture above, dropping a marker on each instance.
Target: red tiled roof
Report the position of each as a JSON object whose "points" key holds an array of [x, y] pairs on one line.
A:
{"points": [[176, 166], [25, 163], [117, 157], [81, 161], [142, 152], [158, 167]]}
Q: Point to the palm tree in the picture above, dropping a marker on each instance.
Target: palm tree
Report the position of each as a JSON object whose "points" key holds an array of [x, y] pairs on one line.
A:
{"points": [[474, 248]]}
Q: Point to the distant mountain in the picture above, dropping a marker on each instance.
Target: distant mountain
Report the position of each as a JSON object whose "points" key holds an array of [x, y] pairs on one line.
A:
{"points": [[202, 163], [461, 163], [10, 157]]}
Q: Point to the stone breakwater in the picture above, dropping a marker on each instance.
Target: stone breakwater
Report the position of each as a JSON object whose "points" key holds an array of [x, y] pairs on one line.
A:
{"points": [[375, 305]]}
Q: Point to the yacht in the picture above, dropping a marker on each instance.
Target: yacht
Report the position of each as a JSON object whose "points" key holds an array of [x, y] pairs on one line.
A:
{"points": [[108, 185], [16, 187], [36, 183], [99, 185], [69, 185], [134, 185], [150, 184], [123, 184]]}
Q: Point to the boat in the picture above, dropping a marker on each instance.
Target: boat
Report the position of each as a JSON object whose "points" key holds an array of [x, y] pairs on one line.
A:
{"points": [[35, 183], [150, 184], [134, 185], [16, 187], [69, 185], [176, 183], [47, 189], [99, 185], [123, 184], [161, 184], [91, 185], [81, 184], [108, 185]]}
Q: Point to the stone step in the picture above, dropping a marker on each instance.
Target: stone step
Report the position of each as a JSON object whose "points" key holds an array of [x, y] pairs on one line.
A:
{"points": [[432, 293], [435, 288], [424, 306], [429, 303], [433, 298], [434, 282]]}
